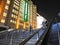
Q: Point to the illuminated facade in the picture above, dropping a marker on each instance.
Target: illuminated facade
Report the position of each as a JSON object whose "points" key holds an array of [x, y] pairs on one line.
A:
{"points": [[18, 14], [4, 7], [30, 12], [10, 9], [34, 17], [24, 14], [21, 13], [13, 14]]}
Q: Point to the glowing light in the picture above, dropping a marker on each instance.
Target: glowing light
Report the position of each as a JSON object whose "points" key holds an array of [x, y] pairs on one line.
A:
{"points": [[40, 19], [17, 23], [3, 21]]}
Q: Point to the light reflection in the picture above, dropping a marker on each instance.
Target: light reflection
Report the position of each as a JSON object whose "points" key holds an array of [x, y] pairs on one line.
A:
{"points": [[40, 19]]}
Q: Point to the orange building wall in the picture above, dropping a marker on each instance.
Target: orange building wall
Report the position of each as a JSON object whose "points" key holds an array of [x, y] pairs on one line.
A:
{"points": [[17, 22], [2, 5]]}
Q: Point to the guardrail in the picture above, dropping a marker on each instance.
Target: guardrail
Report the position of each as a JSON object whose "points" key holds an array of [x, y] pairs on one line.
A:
{"points": [[41, 38], [11, 36], [28, 38], [14, 37]]}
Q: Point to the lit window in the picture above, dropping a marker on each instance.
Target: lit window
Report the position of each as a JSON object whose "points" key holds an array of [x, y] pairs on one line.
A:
{"points": [[4, 14], [6, 7], [12, 15], [17, 3], [3, 21], [8, 1], [13, 10], [14, 5], [11, 21]]}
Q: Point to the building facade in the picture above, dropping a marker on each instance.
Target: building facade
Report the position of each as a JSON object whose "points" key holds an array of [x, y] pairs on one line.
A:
{"points": [[18, 14], [13, 12], [4, 7], [34, 17], [32, 10], [10, 9]]}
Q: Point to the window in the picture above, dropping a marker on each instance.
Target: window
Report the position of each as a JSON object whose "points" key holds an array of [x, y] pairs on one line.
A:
{"points": [[11, 20], [12, 15], [16, 7], [15, 11], [17, 3], [4, 14], [14, 22], [6, 7], [8, 1], [3, 21]]}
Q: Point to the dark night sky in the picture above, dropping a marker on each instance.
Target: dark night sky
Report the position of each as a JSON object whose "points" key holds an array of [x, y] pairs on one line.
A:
{"points": [[47, 8]]}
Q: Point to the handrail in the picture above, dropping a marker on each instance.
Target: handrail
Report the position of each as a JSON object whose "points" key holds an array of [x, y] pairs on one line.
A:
{"points": [[3, 31], [43, 35], [7, 31], [28, 38], [41, 38]]}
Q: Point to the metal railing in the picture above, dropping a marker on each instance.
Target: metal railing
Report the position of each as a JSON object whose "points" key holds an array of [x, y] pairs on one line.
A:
{"points": [[41, 36], [28, 38], [14, 37], [40, 40]]}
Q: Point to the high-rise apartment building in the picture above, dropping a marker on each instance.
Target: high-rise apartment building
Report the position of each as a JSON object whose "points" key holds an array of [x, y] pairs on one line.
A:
{"points": [[21, 13], [9, 12], [24, 14], [4, 7], [18, 14], [34, 17], [13, 12]]}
